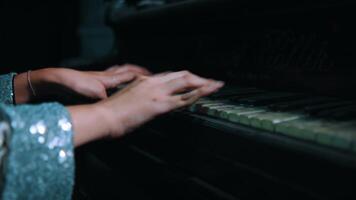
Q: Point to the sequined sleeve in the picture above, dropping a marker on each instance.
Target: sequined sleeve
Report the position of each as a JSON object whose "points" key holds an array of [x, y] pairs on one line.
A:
{"points": [[6, 90], [39, 162]]}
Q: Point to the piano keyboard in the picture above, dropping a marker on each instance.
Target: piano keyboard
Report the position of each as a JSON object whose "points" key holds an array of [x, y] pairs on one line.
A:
{"points": [[321, 120]]}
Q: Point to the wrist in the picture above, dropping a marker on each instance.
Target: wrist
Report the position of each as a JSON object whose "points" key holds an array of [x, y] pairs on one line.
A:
{"points": [[114, 120], [42, 82], [90, 122], [22, 91]]}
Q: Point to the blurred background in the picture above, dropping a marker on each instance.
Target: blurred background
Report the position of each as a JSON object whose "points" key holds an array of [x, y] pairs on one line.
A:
{"points": [[37, 33]]}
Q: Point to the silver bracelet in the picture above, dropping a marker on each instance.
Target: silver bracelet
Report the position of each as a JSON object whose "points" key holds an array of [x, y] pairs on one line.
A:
{"points": [[29, 82]]}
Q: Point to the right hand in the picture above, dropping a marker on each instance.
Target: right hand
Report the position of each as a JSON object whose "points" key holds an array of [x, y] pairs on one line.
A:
{"points": [[150, 96]]}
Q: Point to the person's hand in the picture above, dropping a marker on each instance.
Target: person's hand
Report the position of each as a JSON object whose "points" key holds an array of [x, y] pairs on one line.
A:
{"points": [[148, 97], [64, 83], [138, 103]]}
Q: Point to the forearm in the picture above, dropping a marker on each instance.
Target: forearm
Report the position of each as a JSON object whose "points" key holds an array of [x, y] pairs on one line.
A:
{"points": [[22, 89]]}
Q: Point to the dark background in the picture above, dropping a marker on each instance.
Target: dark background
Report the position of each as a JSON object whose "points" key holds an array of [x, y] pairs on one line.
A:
{"points": [[37, 33]]}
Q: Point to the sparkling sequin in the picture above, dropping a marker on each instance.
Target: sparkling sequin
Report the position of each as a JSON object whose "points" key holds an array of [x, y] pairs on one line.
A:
{"points": [[33, 129], [6, 90], [65, 124], [62, 156], [56, 142], [38, 128], [41, 139], [41, 127], [40, 161]]}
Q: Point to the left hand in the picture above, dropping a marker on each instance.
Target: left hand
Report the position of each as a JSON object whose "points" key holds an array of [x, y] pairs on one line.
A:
{"points": [[63, 82]]}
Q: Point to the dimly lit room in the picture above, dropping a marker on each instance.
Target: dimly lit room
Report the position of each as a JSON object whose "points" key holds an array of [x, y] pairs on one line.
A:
{"points": [[177, 100]]}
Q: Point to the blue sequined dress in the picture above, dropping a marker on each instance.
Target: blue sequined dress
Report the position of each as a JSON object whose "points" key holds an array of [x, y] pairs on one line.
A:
{"points": [[36, 149]]}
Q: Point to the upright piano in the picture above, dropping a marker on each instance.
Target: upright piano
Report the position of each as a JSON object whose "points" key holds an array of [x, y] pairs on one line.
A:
{"points": [[284, 127]]}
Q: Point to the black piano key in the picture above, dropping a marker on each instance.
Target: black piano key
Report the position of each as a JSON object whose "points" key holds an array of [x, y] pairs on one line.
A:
{"points": [[347, 115], [300, 104], [314, 109], [242, 100], [336, 113], [237, 97], [235, 93], [281, 99], [230, 91], [264, 100]]}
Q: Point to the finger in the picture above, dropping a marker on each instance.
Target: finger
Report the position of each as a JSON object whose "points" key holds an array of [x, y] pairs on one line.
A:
{"points": [[186, 82], [192, 96], [204, 91], [114, 80], [174, 75], [129, 67], [201, 92], [162, 74], [182, 84], [102, 95], [97, 92], [112, 68]]}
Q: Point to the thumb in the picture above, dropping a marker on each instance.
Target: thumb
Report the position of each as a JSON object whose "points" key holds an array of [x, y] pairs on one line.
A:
{"points": [[102, 94], [98, 92]]}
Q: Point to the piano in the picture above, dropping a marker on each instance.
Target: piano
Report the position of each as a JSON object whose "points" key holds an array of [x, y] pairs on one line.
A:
{"points": [[284, 127]]}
